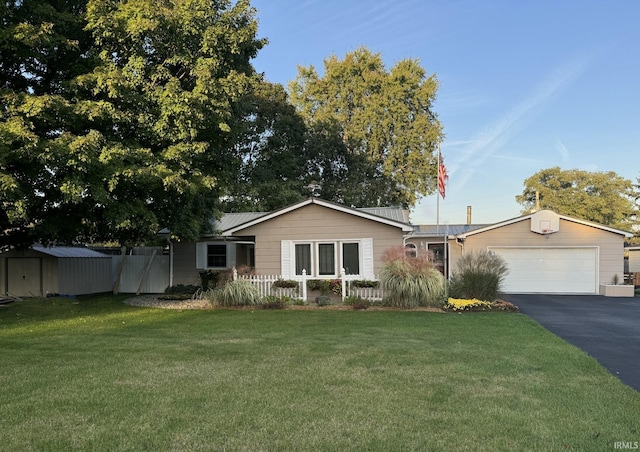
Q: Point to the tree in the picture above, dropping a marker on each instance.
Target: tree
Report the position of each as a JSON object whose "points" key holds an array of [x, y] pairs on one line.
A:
{"points": [[601, 197], [271, 144], [374, 131], [117, 117]]}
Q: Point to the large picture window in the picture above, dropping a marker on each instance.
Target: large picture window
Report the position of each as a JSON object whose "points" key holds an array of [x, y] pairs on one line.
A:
{"points": [[327, 258]]}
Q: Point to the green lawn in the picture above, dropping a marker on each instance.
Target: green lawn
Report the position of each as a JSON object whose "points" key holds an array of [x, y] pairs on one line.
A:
{"points": [[97, 374]]}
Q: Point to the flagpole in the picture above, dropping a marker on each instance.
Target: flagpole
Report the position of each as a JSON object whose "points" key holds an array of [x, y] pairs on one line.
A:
{"points": [[438, 193]]}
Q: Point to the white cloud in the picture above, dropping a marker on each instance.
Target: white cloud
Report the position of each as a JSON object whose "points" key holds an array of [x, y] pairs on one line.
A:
{"points": [[488, 141], [564, 152]]}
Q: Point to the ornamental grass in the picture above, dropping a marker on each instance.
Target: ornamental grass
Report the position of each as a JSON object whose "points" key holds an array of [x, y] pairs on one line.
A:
{"points": [[478, 275], [410, 282]]}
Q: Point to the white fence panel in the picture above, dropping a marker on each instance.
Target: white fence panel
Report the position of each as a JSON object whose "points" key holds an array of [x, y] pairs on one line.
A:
{"points": [[264, 284], [143, 273]]}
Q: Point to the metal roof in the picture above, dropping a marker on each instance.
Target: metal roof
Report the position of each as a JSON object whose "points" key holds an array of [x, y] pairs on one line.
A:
{"points": [[230, 220], [391, 213], [67, 251], [449, 229]]}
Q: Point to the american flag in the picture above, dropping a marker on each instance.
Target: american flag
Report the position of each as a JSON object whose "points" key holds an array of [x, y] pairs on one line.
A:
{"points": [[443, 177]]}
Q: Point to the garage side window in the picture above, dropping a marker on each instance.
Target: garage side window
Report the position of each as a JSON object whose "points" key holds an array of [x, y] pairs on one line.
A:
{"points": [[217, 255]]}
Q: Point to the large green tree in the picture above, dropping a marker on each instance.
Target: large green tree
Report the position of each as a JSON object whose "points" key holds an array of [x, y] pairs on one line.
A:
{"points": [[117, 117], [601, 197], [271, 143], [373, 132]]}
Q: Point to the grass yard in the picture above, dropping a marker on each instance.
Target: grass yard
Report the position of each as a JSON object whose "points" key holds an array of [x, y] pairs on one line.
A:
{"points": [[96, 374]]}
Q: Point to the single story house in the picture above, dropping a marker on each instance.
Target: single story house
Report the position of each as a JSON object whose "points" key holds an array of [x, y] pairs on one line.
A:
{"points": [[63, 270], [318, 237], [546, 252]]}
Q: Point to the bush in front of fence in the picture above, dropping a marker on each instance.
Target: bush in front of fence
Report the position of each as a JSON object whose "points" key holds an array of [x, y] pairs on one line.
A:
{"points": [[356, 302], [326, 286], [235, 293]]}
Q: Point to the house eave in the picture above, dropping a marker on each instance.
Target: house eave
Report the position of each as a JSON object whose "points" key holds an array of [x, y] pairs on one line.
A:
{"points": [[340, 208], [528, 217]]}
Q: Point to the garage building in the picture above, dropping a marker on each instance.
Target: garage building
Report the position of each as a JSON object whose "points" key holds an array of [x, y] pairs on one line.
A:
{"points": [[551, 253]]}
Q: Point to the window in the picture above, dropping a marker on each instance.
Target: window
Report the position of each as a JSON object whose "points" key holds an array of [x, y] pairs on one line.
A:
{"points": [[351, 258], [411, 250], [217, 256], [303, 258], [326, 259]]}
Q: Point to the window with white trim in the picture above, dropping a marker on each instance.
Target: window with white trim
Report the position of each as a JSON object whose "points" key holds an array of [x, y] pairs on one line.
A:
{"points": [[351, 258], [302, 258], [326, 258]]}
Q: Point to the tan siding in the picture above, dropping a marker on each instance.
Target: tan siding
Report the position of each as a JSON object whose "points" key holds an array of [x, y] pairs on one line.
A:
{"points": [[314, 222], [184, 264], [634, 261], [570, 234]]}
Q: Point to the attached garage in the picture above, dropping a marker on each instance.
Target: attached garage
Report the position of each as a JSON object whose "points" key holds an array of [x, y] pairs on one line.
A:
{"points": [[550, 269], [550, 253]]}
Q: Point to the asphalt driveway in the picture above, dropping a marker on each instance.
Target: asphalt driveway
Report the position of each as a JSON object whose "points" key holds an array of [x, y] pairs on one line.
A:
{"points": [[606, 328]]}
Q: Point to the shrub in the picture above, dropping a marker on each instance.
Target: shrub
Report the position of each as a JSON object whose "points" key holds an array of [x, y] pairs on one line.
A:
{"points": [[365, 284], [236, 293], [357, 302], [323, 300], [478, 275], [475, 305], [410, 282], [285, 284], [273, 302], [325, 286]]}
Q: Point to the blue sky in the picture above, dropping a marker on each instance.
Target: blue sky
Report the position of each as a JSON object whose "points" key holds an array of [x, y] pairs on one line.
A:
{"points": [[524, 85]]}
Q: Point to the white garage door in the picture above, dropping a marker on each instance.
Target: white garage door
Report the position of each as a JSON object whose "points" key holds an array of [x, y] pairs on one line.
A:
{"points": [[550, 270]]}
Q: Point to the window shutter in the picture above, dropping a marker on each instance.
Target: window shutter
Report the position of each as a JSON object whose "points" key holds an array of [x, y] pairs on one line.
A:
{"points": [[285, 258], [231, 255], [367, 258], [201, 255]]}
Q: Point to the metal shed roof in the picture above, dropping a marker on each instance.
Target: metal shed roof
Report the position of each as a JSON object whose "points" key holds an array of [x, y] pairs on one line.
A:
{"points": [[67, 251]]}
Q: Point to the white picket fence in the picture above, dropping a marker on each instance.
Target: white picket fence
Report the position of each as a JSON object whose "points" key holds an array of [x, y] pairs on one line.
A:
{"points": [[264, 284]]}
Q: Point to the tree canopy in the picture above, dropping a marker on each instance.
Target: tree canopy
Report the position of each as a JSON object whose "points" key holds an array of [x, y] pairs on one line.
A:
{"points": [[116, 117], [372, 132], [601, 197]]}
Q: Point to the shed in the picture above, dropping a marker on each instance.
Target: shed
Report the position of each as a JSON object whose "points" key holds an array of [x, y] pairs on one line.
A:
{"points": [[40, 271]]}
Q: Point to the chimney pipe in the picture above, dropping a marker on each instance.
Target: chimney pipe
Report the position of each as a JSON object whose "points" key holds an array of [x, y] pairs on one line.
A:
{"points": [[468, 214]]}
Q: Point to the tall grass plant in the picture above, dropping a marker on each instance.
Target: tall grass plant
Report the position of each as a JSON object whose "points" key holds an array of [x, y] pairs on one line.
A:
{"points": [[235, 293], [478, 275], [410, 282]]}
